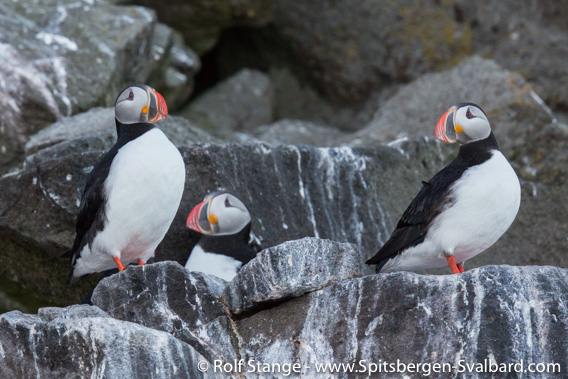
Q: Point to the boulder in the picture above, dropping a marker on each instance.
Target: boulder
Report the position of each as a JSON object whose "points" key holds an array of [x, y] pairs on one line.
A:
{"points": [[525, 38], [342, 194], [162, 296], [513, 108], [493, 314], [96, 130], [349, 49], [60, 59], [239, 103], [297, 132], [289, 270], [202, 21], [82, 341]]}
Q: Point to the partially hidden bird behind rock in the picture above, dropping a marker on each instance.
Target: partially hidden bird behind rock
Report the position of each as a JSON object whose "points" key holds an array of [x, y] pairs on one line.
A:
{"points": [[464, 209], [226, 242], [133, 193]]}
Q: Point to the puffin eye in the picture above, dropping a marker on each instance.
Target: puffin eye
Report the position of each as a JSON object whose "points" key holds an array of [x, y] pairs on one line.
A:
{"points": [[227, 202], [131, 95], [468, 114]]}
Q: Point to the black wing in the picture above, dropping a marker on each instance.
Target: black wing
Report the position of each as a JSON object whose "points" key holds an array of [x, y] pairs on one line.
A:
{"points": [[411, 228], [91, 216]]}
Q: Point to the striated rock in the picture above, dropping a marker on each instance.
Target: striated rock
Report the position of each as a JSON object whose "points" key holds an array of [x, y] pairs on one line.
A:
{"points": [[514, 110], [291, 270], [202, 21], [297, 132], [240, 103], [60, 59], [162, 296], [500, 313], [292, 192], [82, 341]]}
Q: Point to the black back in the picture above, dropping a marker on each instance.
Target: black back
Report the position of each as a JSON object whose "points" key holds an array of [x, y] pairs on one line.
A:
{"points": [[233, 245], [91, 218], [430, 201]]}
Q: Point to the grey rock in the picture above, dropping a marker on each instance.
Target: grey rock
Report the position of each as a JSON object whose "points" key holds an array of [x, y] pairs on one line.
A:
{"points": [[499, 313], [290, 270], [529, 38], [96, 130], [73, 312], [90, 345], [163, 296], [512, 107], [202, 21], [348, 49], [239, 103], [337, 193], [297, 132], [70, 57]]}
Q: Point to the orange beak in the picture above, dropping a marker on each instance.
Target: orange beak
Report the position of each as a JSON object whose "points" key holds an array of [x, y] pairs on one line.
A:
{"points": [[445, 131], [158, 109], [198, 219]]}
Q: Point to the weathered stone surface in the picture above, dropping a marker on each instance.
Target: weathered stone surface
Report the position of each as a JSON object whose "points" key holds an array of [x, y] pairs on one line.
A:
{"points": [[348, 49], [240, 103], [162, 296], [96, 130], [499, 313], [337, 193], [297, 132], [290, 270], [202, 21], [513, 108], [81, 342], [531, 39], [63, 58]]}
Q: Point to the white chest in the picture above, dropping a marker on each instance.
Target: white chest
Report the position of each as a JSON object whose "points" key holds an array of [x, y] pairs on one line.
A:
{"points": [[486, 201], [222, 266]]}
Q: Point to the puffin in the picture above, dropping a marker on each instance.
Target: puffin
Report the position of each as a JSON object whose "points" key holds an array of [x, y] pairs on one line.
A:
{"points": [[464, 209], [133, 193], [226, 242]]}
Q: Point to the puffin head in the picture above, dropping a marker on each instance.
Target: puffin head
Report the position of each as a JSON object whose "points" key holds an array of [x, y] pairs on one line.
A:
{"points": [[463, 123], [140, 103], [220, 213]]}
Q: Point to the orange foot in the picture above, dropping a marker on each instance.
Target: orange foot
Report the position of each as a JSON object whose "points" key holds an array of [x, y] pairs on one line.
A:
{"points": [[118, 263], [140, 263], [452, 263], [460, 267]]}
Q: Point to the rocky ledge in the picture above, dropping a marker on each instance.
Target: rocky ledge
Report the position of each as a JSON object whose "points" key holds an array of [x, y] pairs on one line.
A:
{"points": [[160, 320]]}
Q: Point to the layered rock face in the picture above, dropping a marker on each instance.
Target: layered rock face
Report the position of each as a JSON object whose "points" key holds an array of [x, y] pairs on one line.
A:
{"points": [[320, 116], [63, 58], [160, 320]]}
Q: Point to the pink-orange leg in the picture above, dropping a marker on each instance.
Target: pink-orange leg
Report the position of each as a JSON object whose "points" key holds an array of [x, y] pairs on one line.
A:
{"points": [[140, 262], [452, 263], [118, 263], [460, 267]]}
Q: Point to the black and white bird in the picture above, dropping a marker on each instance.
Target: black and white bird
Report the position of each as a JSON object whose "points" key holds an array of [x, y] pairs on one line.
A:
{"points": [[226, 242], [133, 192], [463, 209]]}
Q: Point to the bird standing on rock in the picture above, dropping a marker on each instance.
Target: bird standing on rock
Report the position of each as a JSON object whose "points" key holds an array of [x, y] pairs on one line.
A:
{"points": [[227, 242], [463, 209], [134, 191]]}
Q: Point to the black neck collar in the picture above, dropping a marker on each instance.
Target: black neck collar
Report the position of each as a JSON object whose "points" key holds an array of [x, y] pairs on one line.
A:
{"points": [[477, 152], [241, 237], [128, 132]]}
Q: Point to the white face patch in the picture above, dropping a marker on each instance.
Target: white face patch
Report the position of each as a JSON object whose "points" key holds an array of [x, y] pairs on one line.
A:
{"points": [[474, 124], [129, 107], [231, 214]]}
